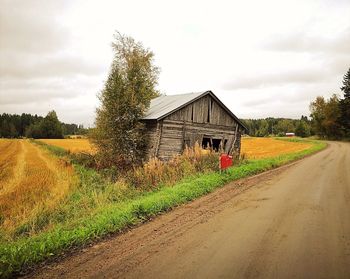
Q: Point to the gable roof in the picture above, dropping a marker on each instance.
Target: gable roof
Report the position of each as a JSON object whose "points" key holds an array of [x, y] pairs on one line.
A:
{"points": [[163, 106]]}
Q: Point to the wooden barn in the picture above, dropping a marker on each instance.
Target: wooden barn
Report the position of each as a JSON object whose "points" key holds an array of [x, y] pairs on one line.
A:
{"points": [[175, 121]]}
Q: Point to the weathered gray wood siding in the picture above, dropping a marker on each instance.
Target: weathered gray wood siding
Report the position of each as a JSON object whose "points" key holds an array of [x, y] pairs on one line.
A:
{"points": [[152, 133], [204, 110], [202, 118]]}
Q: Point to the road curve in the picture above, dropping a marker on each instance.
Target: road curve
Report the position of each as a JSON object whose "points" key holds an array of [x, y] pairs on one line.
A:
{"points": [[289, 223]]}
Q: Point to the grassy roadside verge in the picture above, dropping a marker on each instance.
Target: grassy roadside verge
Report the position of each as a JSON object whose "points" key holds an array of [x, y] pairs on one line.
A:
{"points": [[112, 218]]}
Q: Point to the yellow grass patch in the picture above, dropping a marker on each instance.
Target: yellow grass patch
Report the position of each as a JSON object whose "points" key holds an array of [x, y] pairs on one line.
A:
{"points": [[258, 148], [9, 150], [72, 145], [36, 181]]}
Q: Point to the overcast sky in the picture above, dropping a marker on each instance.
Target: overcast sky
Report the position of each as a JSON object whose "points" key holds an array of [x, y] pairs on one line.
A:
{"points": [[261, 58]]}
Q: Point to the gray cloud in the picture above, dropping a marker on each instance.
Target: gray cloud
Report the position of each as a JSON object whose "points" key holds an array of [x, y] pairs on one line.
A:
{"points": [[34, 66], [278, 78], [326, 58], [44, 90], [302, 42], [33, 45], [39, 70], [37, 95], [29, 26]]}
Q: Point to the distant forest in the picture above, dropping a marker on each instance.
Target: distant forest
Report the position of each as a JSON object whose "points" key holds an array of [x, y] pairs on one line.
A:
{"points": [[34, 126], [279, 127], [329, 118]]}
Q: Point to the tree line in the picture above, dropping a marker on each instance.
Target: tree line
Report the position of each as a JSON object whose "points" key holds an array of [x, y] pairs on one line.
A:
{"points": [[331, 117], [34, 126], [279, 126]]}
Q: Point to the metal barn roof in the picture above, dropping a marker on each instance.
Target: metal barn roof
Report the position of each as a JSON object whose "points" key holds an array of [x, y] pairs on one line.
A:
{"points": [[162, 106]]}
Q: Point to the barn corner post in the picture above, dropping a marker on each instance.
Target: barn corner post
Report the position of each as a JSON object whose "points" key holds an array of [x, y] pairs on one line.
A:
{"points": [[236, 144]]}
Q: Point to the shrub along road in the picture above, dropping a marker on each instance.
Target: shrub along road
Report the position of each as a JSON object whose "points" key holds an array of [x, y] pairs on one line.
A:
{"points": [[294, 223]]}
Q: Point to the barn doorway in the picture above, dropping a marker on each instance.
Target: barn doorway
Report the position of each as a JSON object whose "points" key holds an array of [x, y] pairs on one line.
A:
{"points": [[206, 143], [211, 143], [216, 144]]}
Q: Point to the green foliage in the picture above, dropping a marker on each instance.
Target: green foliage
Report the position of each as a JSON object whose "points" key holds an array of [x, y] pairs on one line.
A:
{"points": [[302, 129], [130, 86], [263, 129], [325, 115], [74, 129], [344, 105], [331, 118], [346, 85], [58, 151], [75, 223], [285, 126], [49, 128], [276, 126], [14, 126]]}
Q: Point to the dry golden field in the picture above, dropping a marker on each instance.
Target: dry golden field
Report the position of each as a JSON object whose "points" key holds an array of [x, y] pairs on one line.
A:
{"points": [[72, 145], [31, 180], [258, 148], [252, 148], [9, 150]]}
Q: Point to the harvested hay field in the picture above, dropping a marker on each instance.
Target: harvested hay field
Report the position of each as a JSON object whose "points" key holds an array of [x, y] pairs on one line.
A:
{"points": [[31, 181], [9, 151], [72, 145], [259, 148]]}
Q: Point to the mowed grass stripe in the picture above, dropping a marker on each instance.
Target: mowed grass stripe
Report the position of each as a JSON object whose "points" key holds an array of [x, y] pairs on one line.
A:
{"points": [[10, 150], [72, 145], [39, 182]]}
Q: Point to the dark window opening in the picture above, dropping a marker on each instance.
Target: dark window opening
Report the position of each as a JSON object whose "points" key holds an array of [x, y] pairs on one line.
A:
{"points": [[216, 144], [192, 114], [206, 143]]}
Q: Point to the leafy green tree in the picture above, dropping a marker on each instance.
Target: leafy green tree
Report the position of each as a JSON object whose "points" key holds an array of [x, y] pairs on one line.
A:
{"points": [[285, 126], [346, 84], [275, 126], [325, 115], [263, 129], [14, 125], [344, 118], [302, 129], [49, 127], [331, 122], [130, 86], [318, 115]]}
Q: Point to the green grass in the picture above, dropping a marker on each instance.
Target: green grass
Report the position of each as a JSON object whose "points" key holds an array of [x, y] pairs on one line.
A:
{"points": [[127, 210], [58, 151]]}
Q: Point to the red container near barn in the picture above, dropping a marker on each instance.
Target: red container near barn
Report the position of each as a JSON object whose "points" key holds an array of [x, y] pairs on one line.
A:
{"points": [[225, 161]]}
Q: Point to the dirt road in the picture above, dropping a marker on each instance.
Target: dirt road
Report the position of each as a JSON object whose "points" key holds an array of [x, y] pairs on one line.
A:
{"points": [[293, 223]]}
